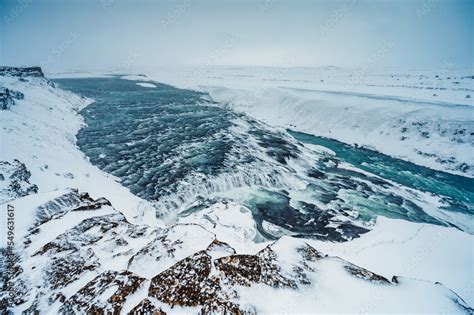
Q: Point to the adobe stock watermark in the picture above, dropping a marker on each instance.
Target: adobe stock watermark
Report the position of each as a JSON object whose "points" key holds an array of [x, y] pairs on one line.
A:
{"points": [[266, 5], [229, 42], [415, 261], [336, 16], [444, 70], [16, 11], [175, 14], [426, 7], [126, 63], [374, 59], [59, 50], [10, 226], [276, 73], [106, 4]]}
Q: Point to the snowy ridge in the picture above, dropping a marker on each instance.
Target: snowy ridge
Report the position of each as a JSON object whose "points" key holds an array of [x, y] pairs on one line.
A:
{"points": [[77, 252]]}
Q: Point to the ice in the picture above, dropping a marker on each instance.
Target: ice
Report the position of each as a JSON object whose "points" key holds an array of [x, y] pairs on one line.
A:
{"points": [[148, 85]]}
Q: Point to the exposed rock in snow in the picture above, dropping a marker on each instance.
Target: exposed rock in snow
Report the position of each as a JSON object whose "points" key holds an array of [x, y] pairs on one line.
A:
{"points": [[120, 284], [15, 181], [75, 252], [168, 247], [22, 71], [7, 97], [103, 263], [147, 307]]}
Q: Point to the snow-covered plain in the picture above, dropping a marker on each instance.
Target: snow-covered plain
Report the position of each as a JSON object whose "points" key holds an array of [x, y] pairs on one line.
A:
{"points": [[40, 132], [426, 117]]}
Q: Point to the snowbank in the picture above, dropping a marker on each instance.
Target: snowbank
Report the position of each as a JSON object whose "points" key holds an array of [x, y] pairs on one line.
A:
{"points": [[413, 250]]}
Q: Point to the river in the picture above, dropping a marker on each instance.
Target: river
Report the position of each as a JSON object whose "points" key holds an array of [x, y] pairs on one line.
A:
{"points": [[182, 151]]}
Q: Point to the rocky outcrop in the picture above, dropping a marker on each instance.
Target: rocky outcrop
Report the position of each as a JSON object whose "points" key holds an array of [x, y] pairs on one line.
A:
{"points": [[8, 97], [147, 307], [22, 71], [190, 283], [122, 284], [15, 181], [69, 201], [100, 263]]}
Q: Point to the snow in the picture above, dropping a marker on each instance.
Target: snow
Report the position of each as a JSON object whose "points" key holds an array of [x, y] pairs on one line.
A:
{"points": [[339, 293], [336, 290], [231, 223], [138, 77], [394, 247], [148, 85], [25, 213], [417, 115], [40, 132], [51, 229], [180, 240], [413, 250]]}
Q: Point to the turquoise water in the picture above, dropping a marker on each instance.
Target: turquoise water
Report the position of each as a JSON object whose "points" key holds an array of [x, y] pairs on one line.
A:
{"points": [[457, 190], [184, 152]]}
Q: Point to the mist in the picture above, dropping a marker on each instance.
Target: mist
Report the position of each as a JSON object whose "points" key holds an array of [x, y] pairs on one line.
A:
{"points": [[124, 34]]}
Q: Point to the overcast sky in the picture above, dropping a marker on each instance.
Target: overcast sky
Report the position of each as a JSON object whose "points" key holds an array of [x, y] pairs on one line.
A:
{"points": [[65, 35]]}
